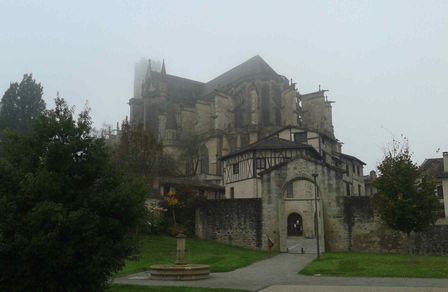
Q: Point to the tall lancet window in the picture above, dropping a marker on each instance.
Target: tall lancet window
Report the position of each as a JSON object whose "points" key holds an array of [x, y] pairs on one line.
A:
{"points": [[253, 107]]}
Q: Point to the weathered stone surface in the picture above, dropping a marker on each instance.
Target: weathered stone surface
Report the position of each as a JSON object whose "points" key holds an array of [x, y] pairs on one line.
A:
{"points": [[235, 222], [367, 233], [180, 272]]}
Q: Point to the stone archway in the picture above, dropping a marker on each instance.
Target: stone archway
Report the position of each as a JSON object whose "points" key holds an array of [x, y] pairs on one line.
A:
{"points": [[298, 208], [295, 225]]}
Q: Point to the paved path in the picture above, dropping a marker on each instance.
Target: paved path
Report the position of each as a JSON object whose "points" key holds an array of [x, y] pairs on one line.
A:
{"points": [[302, 288], [282, 269]]}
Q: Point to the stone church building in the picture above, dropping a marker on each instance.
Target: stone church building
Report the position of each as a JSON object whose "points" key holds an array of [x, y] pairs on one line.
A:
{"points": [[271, 147]]}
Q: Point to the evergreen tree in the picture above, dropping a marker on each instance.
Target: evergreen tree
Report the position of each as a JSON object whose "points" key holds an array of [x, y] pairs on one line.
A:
{"points": [[405, 198], [22, 103], [68, 218]]}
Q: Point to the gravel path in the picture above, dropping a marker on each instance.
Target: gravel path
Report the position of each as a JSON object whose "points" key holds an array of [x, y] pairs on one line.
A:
{"points": [[282, 269]]}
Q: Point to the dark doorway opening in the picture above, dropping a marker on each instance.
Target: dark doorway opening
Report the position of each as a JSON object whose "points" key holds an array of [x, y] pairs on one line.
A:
{"points": [[295, 225]]}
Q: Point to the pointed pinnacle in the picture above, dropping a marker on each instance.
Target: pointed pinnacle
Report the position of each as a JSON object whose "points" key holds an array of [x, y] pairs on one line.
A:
{"points": [[163, 71]]}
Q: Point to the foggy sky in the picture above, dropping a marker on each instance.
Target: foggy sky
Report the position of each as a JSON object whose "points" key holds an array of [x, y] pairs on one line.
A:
{"points": [[384, 62]]}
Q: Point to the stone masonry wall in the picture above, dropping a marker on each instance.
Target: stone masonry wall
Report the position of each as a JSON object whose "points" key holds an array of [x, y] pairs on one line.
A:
{"points": [[234, 222], [367, 233], [432, 242]]}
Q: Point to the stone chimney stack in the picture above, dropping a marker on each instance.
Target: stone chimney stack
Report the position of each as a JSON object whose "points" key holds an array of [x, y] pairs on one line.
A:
{"points": [[445, 161]]}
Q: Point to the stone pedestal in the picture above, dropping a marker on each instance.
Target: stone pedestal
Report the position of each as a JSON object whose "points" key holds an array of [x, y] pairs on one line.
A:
{"points": [[180, 255], [180, 271]]}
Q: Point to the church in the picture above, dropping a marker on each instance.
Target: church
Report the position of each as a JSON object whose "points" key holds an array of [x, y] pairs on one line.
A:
{"points": [[261, 140]]}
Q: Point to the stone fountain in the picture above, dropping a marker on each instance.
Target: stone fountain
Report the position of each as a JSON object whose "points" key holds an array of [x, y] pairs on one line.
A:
{"points": [[180, 270]]}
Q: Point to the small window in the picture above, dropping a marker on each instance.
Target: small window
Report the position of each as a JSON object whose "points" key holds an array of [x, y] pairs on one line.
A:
{"points": [[300, 137], [347, 187], [440, 192], [359, 190], [236, 168], [347, 169], [358, 170], [232, 193], [324, 156], [290, 191], [260, 163], [354, 169]]}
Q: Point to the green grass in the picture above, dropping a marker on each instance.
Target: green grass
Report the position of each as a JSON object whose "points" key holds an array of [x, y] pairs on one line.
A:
{"points": [[379, 265], [136, 288], [162, 250]]}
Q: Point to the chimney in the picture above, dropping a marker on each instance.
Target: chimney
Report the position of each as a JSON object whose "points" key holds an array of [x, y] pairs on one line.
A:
{"points": [[445, 161]]}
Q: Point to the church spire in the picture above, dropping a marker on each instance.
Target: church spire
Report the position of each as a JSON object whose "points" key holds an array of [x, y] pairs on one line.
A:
{"points": [[147, 86], [163, 86]]}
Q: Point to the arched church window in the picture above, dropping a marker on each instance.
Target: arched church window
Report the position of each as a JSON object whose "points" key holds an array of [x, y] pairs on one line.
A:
{"points": [[265, 104], [295, 225]]}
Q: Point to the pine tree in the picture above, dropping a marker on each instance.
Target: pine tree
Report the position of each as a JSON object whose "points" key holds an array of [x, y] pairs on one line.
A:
{"points": [[21, 104]]}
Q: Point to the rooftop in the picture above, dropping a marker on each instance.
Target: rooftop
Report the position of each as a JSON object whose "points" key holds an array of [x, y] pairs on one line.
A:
{"points": [[271, 143], [433, 167]]}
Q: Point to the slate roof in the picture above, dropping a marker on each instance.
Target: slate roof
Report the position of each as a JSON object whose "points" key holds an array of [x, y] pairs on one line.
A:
{"points": [[187, 91], [180, 89], [254, 67], [271, 143], [433, 167], [349, 157], [304, 129]]}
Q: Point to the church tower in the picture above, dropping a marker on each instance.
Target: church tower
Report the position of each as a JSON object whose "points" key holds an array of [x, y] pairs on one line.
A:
{"points": [[317, 112], [154, 94]]}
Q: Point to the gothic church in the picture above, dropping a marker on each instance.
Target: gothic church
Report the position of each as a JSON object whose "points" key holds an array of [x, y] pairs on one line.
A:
{"points": [[260, 138]]}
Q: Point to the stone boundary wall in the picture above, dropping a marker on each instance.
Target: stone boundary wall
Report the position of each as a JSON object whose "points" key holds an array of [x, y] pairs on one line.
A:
{"points": [[367, 233], [432, 242], [231, 221]]}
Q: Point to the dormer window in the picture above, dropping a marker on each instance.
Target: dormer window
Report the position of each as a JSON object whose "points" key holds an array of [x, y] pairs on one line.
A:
{"points": [[300, 137]]}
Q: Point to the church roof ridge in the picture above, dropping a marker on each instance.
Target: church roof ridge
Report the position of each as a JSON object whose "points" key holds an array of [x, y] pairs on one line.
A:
{"points": [[251, 67]]}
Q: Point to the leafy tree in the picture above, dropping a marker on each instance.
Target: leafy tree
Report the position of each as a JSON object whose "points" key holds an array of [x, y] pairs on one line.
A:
{"points": [[140, 154], [182, 205], [191, 152], [138, 151], [405, 198], [68, 218], [22, 103]]}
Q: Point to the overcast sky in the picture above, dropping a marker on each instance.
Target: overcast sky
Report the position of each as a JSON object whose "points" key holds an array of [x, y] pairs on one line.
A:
{"points": [[385, 63]]}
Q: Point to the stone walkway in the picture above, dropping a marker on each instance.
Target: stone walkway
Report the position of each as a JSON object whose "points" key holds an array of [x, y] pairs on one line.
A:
{"points": [[282, 270]]}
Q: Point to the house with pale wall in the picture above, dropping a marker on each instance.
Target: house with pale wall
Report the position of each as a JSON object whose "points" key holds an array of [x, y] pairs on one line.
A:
{"points": [[437, 168]]}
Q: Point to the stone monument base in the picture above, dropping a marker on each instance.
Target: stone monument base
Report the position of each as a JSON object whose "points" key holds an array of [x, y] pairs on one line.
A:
{"points": [[180, 272]]}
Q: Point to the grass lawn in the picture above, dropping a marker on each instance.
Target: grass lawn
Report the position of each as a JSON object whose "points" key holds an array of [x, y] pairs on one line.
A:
{"points": [[162, 250], [135, 288], [379, 265]]}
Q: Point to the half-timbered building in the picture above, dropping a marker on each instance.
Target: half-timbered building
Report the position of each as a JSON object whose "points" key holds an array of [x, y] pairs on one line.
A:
{"points": [[242, 168]]}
